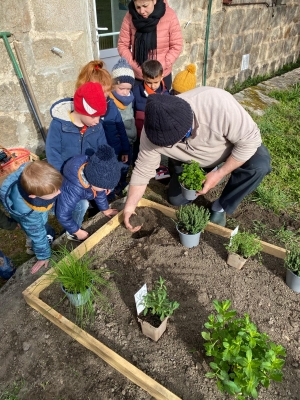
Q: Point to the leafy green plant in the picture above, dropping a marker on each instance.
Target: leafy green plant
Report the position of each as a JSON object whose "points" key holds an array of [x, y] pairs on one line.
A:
{"points": [[292, 259], [244, 244], [76, 277], [243, 358], [192, 219], [192, 176], [156, 301]]}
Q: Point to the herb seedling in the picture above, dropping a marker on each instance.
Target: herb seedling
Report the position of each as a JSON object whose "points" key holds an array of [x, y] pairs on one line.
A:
{"points": [[157, 303], [292, 259], [245, 244], [243, 358], [192, 219], [192, 176]]}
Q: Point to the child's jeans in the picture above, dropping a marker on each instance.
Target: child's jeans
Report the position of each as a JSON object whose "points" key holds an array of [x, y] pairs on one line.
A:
{"points": [[79, 212]]}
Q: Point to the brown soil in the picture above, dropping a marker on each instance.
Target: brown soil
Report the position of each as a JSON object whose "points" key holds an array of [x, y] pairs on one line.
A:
{"points": [[54, 366]]}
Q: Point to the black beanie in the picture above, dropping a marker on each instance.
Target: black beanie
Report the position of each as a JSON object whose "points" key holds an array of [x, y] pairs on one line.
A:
{"points": [[167, 119], [103, 169]]}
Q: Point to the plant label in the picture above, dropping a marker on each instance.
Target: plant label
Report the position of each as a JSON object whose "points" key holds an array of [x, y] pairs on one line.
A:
{"points": [[233, 233], [138, 297]]}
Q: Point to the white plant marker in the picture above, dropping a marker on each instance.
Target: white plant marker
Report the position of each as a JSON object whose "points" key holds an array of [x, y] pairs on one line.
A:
{"points": [[233, 233], [138, 297]]}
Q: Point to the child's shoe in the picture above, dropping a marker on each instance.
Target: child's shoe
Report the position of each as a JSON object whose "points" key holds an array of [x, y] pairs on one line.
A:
{"points": [[30, 251], [162, 173]]}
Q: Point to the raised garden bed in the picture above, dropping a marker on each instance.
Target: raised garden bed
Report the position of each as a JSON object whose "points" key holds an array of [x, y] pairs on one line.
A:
{"points": [[175, 366]]}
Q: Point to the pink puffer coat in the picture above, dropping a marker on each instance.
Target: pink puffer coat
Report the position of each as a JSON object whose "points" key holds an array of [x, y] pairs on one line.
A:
{"points": [[169, 41]]}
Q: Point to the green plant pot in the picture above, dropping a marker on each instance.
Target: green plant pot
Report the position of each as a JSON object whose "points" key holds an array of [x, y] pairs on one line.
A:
{"points": [[188, 194], [77, 299], [293, 281], [189, 240]]}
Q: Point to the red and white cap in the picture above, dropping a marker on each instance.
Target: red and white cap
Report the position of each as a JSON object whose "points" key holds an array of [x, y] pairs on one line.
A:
{"points": [[89, 100]]}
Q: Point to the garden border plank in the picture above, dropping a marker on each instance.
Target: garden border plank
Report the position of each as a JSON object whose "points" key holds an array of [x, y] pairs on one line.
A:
{"points": [[32, 292]]}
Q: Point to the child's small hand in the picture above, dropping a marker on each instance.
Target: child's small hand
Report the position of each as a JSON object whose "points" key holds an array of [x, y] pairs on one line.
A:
{"points": [[110, 212], [39, 265], [81, 234], [124, 158]]}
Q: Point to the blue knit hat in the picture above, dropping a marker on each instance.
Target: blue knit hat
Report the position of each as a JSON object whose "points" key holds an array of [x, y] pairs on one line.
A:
{"points": [[122, 72], [103, 169]]}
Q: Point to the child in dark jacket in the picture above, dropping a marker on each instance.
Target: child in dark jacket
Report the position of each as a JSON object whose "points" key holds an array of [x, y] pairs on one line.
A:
{"points": [[28, 195], [75, 128], [123, 81], [152, 84], [112, 122], [87, 178]]}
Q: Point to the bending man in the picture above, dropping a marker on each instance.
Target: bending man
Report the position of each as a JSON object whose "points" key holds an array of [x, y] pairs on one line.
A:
{"points": [[209, 126]]}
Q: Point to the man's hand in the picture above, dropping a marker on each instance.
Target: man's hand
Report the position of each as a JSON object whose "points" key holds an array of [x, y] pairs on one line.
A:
{"points": [[211, 180], [127, 215], [81, 234], [110, 212], [39, 265]]}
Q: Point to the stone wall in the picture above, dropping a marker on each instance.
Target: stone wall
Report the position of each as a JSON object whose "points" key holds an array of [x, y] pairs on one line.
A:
{"points": [[38, 26], [270, 35]]}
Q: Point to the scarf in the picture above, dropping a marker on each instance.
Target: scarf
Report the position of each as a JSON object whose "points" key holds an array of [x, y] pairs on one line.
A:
{"points": [[125, 100], [145, 40], [162, 88], [36, 203]]}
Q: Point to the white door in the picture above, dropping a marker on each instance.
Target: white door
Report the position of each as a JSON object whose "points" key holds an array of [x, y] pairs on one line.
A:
{"points": [[109, 17]]}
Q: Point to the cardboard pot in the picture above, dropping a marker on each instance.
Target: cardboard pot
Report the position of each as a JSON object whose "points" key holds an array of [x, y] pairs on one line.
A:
{"points": [[152, 332], [236, 261]]}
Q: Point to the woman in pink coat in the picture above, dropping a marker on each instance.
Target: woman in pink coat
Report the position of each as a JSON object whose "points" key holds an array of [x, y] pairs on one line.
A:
{"points": [[150, 30]]}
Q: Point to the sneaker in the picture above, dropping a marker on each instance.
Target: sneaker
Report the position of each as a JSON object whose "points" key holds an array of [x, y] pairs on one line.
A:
{"points": [[50, 239], [72, 237], [30, 251], [218, 218], [162, 173]]}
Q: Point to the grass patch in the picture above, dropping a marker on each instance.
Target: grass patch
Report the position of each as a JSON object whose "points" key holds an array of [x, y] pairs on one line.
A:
{"points": [[253, 81], [11, 393], [280, 127]]}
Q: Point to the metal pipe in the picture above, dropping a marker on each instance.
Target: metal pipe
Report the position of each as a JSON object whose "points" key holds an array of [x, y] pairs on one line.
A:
{"points": [[245, 4]]}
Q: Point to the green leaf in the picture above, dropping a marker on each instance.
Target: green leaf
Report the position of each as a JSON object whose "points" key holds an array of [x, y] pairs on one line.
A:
{"points": [[231, 387], [276, 376], [213, 365], [210, 375], [206, 335], [249, 355]]}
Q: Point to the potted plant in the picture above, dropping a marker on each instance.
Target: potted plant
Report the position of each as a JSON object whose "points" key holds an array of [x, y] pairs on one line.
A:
{"points": [[157, 311], [191, 180], [242, 246], [191, 221], [243, 358], [292, 265], [80, 283]]}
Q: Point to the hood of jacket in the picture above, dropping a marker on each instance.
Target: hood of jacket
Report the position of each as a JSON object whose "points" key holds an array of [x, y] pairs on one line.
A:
{"points": [[71, 171], [61, 109]]}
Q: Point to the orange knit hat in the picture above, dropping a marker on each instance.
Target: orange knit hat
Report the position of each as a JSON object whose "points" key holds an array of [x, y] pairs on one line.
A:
{"points": [[185, 80]]}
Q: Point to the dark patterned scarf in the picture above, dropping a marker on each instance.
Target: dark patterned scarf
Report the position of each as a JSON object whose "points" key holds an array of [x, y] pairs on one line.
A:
{"points": [[35, 203], [145, 41]]}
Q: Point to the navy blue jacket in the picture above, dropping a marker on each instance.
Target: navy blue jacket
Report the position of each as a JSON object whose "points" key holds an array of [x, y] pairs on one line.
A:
{"points": [[139, 103], [114, 129], [75, 187], [64, 139]]}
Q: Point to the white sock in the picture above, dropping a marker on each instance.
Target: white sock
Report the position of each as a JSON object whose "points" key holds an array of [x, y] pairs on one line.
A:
{"points": [[216, 206]]}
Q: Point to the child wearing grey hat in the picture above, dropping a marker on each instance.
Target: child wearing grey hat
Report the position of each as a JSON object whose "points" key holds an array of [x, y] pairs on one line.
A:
{"points": [[87, 178], [123, 81]]}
